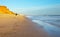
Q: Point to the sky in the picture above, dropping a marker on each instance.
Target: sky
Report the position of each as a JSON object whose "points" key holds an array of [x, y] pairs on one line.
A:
{"points": [[33, 7]]}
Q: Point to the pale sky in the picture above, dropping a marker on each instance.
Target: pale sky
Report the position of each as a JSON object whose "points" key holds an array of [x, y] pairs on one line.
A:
{"points": [[33, 7]]}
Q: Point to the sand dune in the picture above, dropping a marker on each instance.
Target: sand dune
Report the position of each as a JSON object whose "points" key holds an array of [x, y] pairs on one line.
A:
{"points": [[19, 26]]}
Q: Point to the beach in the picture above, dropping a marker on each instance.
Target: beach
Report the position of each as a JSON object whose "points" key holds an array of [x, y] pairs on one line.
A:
{"points": [[19, 26]]}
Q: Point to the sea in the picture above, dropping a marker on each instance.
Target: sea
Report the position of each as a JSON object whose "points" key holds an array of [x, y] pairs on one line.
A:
{"points": [[51, 23]]}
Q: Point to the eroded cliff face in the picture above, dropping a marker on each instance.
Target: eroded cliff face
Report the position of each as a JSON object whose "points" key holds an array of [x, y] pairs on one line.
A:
{"points": [[5, 10]]}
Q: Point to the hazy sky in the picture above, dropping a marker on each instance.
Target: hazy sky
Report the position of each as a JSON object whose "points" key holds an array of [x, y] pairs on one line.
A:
{"points": [[33, 7]]}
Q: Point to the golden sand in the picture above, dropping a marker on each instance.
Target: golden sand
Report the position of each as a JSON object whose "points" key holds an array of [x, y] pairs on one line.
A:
{"points": [[5, 10], [19, 26]]}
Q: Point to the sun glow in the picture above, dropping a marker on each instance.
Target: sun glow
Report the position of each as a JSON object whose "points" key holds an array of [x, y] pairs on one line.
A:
{"points": [[22, 14]]}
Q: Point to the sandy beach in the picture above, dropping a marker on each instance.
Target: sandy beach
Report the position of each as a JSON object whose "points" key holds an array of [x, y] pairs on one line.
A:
{"points": [[19, 26]]}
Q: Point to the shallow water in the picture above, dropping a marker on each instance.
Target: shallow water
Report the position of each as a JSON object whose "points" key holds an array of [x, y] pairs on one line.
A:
{"points": [[50, 23]]}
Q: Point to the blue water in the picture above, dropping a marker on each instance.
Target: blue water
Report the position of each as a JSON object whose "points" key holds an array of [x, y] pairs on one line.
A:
{"points": [[50, 23]]}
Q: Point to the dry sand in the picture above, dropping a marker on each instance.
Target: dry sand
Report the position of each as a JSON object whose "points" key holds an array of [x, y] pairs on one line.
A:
{"points": [[19, 26]]}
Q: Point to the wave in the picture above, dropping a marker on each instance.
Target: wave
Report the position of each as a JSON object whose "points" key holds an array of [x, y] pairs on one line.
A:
{"points": [[51, 29]]}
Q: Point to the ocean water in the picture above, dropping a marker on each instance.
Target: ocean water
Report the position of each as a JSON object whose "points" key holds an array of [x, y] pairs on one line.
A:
{"points": [[51, 23]]}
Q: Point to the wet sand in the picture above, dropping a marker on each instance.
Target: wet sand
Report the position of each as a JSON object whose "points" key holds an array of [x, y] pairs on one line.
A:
{"points": [[19, 26]]}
